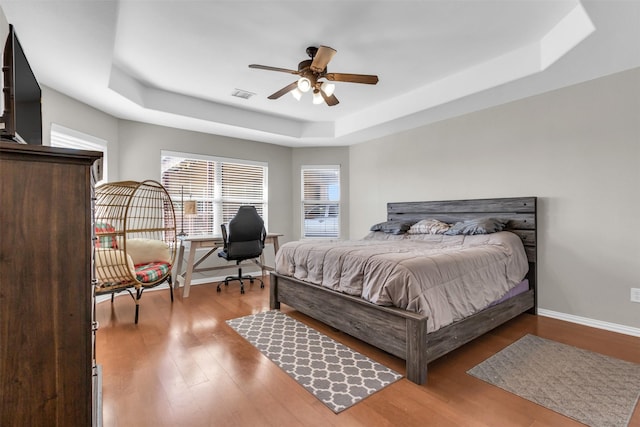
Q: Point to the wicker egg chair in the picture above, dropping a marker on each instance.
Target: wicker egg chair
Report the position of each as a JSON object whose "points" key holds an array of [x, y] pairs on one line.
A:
{"points": [[136, 240]]}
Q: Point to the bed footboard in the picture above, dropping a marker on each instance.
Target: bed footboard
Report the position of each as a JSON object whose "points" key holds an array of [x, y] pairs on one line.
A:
{"points": [[396, 331]]}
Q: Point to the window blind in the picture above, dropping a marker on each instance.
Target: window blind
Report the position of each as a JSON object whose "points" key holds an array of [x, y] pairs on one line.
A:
{"points": [[218, 186], [68, 138], [321, 201]]}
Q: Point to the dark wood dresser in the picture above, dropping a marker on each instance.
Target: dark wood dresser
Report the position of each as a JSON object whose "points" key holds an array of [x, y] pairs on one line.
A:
{"points": [[47, 333]]}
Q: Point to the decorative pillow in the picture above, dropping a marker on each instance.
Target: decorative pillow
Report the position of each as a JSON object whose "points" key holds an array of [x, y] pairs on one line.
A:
{"points": [[145, 251], [393, 227], [105, 241], [429, 226], [477, 226]]}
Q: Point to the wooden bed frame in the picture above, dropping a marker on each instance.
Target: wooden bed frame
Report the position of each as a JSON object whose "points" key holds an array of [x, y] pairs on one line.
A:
{"points": [[403, 333]]}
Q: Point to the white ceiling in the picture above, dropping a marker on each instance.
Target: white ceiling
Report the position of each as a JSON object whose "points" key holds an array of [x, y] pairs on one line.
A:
{"points": [[177, 62]]}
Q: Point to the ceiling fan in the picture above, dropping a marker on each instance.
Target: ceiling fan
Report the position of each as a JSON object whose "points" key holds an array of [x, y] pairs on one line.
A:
{"points": [[311, 71]]}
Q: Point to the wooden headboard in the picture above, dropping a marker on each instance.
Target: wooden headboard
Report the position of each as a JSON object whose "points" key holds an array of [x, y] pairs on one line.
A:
{"points": [[520, 211]]}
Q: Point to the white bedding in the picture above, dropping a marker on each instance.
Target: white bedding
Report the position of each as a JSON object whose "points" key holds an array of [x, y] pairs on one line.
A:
{"points": [[445, 278]]}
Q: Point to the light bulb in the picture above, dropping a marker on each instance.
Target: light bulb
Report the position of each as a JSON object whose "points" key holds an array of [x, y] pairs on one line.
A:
{"points": [[296, 94], [328, 88], [304, 84], [317, 97]]}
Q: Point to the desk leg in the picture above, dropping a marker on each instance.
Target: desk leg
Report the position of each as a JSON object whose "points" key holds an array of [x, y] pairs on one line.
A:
{"points": [[189, 272], [177, 268], [274, 241], [262, 263]]}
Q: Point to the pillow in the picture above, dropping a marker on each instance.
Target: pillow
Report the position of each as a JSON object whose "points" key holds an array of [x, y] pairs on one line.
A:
{"points": [[393, 227], [144, 251], [429, 226], [477, 226], [105, 241]]}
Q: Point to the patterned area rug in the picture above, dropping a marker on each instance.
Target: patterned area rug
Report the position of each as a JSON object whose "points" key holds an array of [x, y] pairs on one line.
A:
{"points": [[332, 372], [591, 388]]}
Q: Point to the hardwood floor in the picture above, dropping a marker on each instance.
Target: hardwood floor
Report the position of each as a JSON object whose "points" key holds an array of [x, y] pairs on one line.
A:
{"points": [[183, 366]]}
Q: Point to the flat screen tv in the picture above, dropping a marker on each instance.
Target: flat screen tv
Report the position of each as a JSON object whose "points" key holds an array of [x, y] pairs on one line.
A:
{"points": [[22, 116]]}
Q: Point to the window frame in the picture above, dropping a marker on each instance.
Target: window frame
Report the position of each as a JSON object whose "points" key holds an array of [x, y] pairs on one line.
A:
{"points": [[215, 194], [327, 203]]}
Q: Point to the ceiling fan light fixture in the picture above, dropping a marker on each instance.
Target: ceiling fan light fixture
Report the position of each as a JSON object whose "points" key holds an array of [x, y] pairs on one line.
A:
{"points": [[317, 97], [328, 88], [304, 84], [311, 73], [296, 94]]}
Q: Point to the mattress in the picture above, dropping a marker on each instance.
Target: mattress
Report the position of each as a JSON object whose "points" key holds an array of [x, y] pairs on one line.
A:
{"points": [[445, 278]]}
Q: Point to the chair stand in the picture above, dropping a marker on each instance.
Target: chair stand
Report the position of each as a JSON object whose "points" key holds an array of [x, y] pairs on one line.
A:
{"points": [[134, 297], [138, 295], [240, 278]]}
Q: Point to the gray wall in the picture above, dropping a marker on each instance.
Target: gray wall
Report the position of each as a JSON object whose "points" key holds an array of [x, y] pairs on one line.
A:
{"points": [[70, 113], [141, 144], [577, 149]]}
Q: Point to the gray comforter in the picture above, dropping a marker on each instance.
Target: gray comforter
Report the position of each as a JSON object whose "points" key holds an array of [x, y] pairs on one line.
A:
{"points": [[445, 278]]}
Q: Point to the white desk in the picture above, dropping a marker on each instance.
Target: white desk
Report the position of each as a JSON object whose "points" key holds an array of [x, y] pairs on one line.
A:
{"points": [[213, 243]]}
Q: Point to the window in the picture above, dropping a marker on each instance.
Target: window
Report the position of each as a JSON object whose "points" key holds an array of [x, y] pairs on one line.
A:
{"points": [[321, 201], [69, 138], [219, 186]]}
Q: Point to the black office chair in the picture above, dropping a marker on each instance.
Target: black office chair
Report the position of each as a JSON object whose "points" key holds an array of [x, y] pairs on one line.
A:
{"points": [[244, 240]]}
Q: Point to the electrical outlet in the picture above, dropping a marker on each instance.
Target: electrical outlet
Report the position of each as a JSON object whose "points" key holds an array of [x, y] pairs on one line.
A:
{"points": [[635, 294]]}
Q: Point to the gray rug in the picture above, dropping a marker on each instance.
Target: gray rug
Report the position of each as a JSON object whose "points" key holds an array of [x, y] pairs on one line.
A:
{"points": [[332, 372], [591, 388]]}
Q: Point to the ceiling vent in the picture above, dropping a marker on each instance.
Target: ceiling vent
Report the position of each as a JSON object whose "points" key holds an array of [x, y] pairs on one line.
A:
{"points": [[239, 93]]}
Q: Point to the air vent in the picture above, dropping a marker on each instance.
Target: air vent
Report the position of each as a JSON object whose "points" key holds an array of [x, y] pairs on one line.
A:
{"points": [[239, 93]]}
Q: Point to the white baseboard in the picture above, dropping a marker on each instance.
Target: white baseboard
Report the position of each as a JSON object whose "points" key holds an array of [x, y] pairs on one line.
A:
{"points": [[613, 327]]}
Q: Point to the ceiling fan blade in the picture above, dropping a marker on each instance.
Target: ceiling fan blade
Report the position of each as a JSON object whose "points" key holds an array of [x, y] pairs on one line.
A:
{"points": [[284, 90], [266, 67], [322, 58], [330, 100], [352, 78]]}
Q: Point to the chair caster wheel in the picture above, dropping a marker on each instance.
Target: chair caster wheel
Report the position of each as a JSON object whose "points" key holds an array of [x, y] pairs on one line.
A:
{"points": [[261, 285], [242, 291], [251, 281], [218, 289]]}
